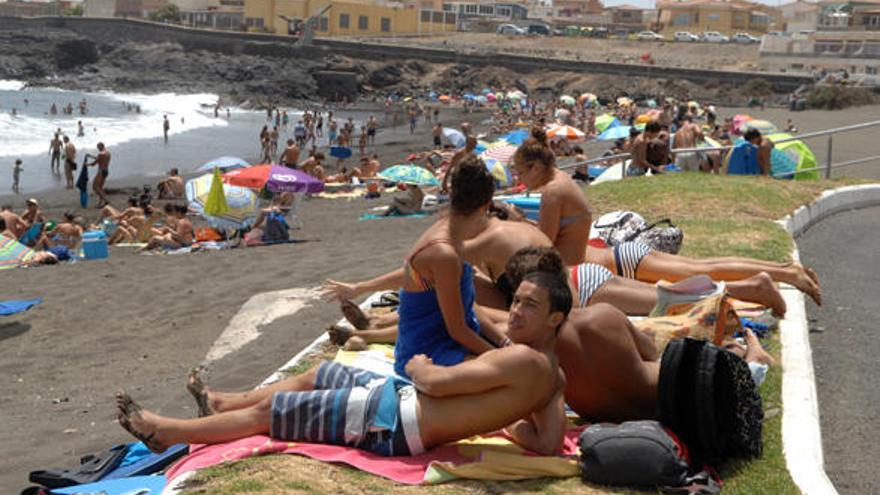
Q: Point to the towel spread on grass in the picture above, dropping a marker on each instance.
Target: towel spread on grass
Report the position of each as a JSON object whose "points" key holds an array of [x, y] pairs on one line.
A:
{"points": [[489, 457], [8, 308], [481, 457]]}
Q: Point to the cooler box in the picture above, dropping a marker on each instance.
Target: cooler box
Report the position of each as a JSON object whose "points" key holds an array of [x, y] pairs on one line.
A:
{"points": [[95, 245], [530, 205]]}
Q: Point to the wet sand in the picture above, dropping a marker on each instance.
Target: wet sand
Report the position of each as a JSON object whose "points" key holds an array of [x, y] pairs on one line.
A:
{"points": [[140, 322]]}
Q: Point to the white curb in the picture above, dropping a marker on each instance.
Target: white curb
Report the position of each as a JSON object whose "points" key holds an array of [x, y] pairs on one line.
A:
{"points": [[801, 431]]}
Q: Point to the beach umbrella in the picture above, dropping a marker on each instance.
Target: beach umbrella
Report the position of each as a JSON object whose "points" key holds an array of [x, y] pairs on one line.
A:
{"points": [[516, 137], [614, 133], [469, 96], [241, 203], [499, 151], [500, 172], [13, 253], [651, 103], [215, 205], [605, 121], [455, 137], [409, 174], [486, 91], [567, 100], [565, 132], [793, 152], [643, 119], [739, 121], [491, 97], [482, 99], [562, 113], [585, 97], [763, 126], [274, 178], [624, 101], [515, 96], [224, 163], [443, 98]]}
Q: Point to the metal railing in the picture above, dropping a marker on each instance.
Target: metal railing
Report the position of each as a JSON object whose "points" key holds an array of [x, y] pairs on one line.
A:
{"points": [[807, 135]]}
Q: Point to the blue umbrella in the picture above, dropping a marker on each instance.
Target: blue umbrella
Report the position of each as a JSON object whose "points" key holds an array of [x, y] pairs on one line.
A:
{"points": [[469, 96], [486, 91], [517, 137], [224, 163], [614, 133]]}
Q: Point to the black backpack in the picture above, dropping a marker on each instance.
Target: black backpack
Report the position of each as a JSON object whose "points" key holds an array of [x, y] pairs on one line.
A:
{"points": [[707, 397]]}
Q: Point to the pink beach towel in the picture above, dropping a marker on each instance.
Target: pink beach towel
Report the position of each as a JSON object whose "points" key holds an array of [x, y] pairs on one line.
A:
{"points": [[482, 457]]}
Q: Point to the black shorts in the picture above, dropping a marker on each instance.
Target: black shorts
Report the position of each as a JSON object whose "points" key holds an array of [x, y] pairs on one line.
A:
{"points": [[437, 141], [70, 163], [104, 172], [371, 132], [56, 154]]}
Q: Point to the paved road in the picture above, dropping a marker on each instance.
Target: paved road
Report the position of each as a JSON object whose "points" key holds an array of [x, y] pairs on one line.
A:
{"points": [[845, 251]]}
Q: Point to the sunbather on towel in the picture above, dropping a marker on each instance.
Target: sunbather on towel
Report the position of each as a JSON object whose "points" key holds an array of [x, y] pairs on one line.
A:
{"points": [[408, 205], [182, 236], [14, 224], [565, 218], [518, 388]]}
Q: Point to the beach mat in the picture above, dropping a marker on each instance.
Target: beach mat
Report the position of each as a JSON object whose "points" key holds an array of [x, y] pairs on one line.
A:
{"points": [[139, 461], [9, 308]]}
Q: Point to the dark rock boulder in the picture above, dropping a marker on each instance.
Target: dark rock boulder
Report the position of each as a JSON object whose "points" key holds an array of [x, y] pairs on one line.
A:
{"points": [[74, 53], [388, 75]]}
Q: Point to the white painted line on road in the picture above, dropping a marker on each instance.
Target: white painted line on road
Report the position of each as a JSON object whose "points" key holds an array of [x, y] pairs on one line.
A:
{"points": [[258, 311], [801, 429]]}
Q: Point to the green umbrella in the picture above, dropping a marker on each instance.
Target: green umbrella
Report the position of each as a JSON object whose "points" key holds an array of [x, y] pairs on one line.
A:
{"points": [[409, 174], [216, 205]]}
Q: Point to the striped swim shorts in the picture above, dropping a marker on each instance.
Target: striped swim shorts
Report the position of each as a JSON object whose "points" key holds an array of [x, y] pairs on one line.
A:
{"points": [[627, 256], [587, 279], [344, 409]]}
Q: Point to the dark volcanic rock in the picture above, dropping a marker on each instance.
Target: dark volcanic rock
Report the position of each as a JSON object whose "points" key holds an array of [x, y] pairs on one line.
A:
{"points": [[385, 76], [74, 53]]}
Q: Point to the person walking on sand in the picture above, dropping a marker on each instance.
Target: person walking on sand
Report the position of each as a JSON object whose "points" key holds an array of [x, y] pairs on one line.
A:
{"points": [[166, 126], [372, 126], [69, 161], [103, 163], [55, 153], [16, 175]]}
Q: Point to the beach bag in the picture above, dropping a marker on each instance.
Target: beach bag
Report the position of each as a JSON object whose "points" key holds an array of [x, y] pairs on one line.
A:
{"points": [[276, 229], [642, 454], [666, 239], [619, 226], [707, 397], [627, 226], [712, 319]]}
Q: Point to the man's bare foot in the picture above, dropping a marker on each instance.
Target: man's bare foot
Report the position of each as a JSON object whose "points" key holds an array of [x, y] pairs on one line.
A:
{"points": [[354, 315], [755, 351], [139, 422], [763, 290], [338, 335], [197, 388], [808, 283], [355, 343]]}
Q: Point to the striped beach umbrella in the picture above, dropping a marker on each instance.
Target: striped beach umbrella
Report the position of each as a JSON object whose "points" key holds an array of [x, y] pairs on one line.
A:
{"points": [[224, 163], [765, 127], [565, 132], [241, 203], [500, 172], [13, 253], [500, 151]]}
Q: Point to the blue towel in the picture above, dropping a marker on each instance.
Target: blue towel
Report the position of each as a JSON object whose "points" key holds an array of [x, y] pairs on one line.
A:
{"points": [[8, 308], [743, 160], [421, 329]]}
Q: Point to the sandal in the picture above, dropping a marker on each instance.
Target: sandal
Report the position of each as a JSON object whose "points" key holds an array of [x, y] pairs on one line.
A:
{"points": [[387, 299]]}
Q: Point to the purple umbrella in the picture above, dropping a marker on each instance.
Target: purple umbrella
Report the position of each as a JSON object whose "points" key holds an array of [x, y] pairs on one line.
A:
{"points": [[283, 179]]}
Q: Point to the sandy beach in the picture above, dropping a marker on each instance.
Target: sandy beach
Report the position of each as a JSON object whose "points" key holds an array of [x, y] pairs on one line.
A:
{"points": [[141, 322]]}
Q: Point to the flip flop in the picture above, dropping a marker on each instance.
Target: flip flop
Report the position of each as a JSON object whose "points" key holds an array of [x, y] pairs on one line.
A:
{"points": [[387, 299]]}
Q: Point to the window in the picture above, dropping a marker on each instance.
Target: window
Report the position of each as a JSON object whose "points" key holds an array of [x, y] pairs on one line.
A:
{"points": [[343, 21], [386, 24], [486, 10], [502, 11], [470, 9], [363, 22], [324, 24], [713, 17], [426, 16], [256, 22], [437, 17], [450, 19], [681, 20], [759, 19]]}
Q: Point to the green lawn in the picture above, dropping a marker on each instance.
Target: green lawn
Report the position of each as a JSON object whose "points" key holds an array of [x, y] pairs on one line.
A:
{"points": [[720, 216]]}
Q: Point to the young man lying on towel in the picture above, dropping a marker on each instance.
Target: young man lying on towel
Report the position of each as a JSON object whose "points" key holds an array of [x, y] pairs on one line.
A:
{"points": [[518, 388]]}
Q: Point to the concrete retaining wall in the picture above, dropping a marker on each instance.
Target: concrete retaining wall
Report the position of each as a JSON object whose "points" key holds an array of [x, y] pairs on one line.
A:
{"points": [[116, 30]]}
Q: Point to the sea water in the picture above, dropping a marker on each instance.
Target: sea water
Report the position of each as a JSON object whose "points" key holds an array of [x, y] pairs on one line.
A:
{"points": [[107, 119]]}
